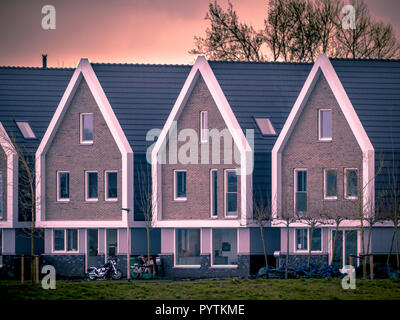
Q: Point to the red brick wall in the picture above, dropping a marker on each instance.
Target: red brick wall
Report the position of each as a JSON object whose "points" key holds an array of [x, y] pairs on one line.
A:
{"points": [[66, 153]]}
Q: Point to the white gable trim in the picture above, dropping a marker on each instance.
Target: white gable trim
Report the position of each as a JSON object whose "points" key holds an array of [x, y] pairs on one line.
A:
{"points": [[11, 184], [324, 65], [84, 70], [201, 67]]}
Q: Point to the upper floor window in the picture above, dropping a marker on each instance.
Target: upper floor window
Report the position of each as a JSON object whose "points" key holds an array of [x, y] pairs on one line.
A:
{"points": [[62, 186], [325, 124], [231, 194], [330, 184], [25, 129], [300, 190], [351, 183], [86, 128], [91, 192], [111, 185], [179, 185], [65, 240], [204, 126], [213, 193]]}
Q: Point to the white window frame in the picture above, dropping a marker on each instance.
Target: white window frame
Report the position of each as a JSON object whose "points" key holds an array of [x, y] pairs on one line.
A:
{"points": [[212, 213], [223, 266], [204, 127], [308, 241], [345, 183], [188, 266], [295, 186], [65, 241], [106, 198], [320, 125], [175, 185], [226, 192], [81, 141], [58, 187], [325, 184], [87, 186]]}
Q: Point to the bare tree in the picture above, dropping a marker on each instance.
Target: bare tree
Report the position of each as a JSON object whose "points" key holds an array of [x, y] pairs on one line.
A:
{"points": [[297, 30], [227, 38], [146, 200], [26, 188], [262, 213]]}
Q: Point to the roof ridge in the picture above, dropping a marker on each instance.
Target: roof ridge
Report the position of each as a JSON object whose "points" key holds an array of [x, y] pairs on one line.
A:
{"points": [[36, 68], [142, 64]]}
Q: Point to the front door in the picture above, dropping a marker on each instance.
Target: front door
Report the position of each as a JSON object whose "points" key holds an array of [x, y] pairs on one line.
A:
{"points": [[92, 247]]}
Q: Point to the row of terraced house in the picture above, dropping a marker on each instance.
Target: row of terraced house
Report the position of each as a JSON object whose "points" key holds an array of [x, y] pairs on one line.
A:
{"points": [[211, 145]]}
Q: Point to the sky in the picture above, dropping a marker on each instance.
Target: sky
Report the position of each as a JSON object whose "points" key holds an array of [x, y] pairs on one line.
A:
{"points": [[124, 31]]}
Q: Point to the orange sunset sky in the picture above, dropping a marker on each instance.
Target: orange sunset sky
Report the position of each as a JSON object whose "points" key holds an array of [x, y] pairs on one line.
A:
{"points": [[133, 31]]}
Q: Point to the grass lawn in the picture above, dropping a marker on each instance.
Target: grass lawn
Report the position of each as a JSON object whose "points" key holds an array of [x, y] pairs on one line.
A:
{"points": [[304, 289]]}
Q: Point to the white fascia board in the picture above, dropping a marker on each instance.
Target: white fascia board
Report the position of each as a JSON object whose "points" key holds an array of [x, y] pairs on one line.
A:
{"points": [[198, 224], [323, 65], [85, 70], [81, 224], [201, 67], [12, 178]]}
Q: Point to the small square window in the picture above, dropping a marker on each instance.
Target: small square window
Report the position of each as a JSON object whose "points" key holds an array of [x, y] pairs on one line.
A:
{"points": [[62, 186], [351, 183], [59, 239], [111, 186], [265, 126], [231, 193], [26, 130], [91, 186], [179, 185], [86, 128], [325, 124], [330, 184], [72, 240], [302, 239]]}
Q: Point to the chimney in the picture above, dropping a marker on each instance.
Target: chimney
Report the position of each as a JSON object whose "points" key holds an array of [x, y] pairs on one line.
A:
{"points": [[44, 60]]}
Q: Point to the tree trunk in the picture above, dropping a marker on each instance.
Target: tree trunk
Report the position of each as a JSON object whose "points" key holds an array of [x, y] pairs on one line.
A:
{"points": [[334, 242], [390, 253], [264, 245], [287, 251], [309, 246]]}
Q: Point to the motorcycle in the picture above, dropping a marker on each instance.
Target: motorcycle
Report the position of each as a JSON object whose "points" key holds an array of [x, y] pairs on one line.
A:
{"points": [[107, 271]]}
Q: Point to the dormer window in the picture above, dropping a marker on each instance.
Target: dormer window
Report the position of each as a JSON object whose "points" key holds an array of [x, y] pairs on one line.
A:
{"points": [[204, 126], [325, 124], [26, 130], [86, 128], [265, 126]]}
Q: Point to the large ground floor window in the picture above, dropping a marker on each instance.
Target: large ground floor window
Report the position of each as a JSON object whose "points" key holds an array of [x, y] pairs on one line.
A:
{"points": [[346, 244], [187, 250], [224, 247]]}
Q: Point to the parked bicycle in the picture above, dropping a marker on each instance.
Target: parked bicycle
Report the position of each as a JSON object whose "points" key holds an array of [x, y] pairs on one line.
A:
{"points": [[141, 266]]}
